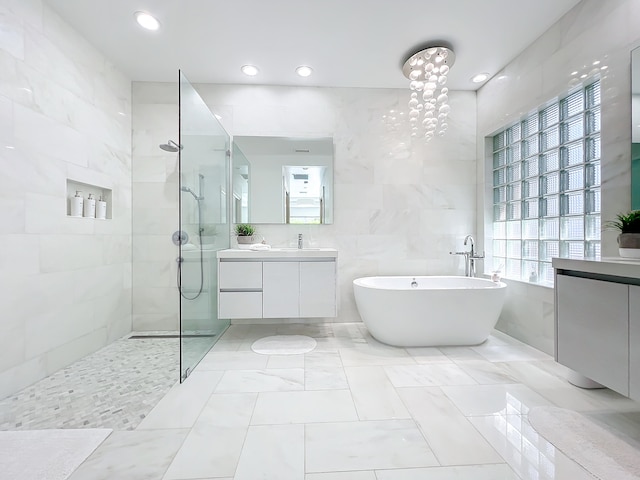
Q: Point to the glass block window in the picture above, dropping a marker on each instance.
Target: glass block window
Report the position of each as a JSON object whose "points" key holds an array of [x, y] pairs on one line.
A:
{"points": [[546, 188]]}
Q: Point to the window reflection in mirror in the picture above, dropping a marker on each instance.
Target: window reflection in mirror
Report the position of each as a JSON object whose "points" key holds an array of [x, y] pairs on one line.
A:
{"points": [[282, 180]]}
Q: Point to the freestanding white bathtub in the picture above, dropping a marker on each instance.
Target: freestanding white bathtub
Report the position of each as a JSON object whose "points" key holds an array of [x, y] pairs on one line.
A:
{"points": [[434, 311]]}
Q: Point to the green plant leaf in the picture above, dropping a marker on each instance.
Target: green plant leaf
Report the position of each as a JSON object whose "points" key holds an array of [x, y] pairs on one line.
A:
{"points": [[244, 230], [625, 222]]}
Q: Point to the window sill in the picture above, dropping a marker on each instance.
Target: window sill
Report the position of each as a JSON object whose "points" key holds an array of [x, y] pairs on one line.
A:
{"points": [[523, 282]]}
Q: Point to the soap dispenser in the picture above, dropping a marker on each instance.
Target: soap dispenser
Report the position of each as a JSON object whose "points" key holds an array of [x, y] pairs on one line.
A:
{"points": [[90, 207], [101, 209], [75, 204]]}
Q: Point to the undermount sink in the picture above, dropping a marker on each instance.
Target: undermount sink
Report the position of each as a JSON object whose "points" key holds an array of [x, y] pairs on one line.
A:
{"points": [[287, 249]]}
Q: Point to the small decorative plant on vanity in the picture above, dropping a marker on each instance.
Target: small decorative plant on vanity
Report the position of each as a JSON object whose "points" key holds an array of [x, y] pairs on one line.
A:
{"points": [[628, 224], [244, 234]]}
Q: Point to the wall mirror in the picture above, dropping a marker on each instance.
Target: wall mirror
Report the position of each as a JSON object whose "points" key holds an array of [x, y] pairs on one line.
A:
{"points": [[635, 129], [282, 180]]}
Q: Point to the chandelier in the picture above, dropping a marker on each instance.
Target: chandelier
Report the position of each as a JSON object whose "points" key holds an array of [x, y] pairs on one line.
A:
{"points": [[429, 103]]}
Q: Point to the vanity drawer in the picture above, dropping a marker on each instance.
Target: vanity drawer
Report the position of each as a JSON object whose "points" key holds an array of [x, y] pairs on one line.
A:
{"points": [[240, 275], [240, 305]]}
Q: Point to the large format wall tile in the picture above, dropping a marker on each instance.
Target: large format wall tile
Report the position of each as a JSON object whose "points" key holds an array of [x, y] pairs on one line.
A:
{"points": [[400, 205], [549, 68], [65, 111]]}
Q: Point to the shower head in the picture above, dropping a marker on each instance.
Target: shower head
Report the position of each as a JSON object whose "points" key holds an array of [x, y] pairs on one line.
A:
{"points": [[170, 146]]}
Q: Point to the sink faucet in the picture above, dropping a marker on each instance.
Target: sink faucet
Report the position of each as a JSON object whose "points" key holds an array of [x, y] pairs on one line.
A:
{"points": [[470, 257], [300, 241]]}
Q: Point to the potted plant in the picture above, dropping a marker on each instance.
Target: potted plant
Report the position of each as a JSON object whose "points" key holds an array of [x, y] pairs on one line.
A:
{"points": [[628, 224], [244, 233]]}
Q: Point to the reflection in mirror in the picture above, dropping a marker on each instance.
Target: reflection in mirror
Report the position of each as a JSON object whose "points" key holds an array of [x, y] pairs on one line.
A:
{"points": [[282, 180], [240, 186], [305, 193], [635, 129]]}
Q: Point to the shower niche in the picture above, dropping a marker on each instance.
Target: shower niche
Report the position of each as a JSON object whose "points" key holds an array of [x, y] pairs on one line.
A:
{"points": [[96, 192]]}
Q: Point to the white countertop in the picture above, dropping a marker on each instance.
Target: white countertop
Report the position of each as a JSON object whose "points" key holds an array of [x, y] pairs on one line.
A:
{"points": [[279, 253], [617, 266]]}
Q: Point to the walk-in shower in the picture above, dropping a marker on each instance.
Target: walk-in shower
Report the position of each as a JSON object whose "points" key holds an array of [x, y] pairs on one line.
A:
{"points": [[203, 223]]}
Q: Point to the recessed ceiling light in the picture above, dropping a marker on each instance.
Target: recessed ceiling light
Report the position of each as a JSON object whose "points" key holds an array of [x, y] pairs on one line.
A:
{"points": [[304, 71], [10, 147], [479, 78], [250, 70], [146, 20]]}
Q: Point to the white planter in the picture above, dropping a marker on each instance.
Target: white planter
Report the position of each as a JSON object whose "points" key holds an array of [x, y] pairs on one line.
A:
{"points": [[245, 241], [629, 245]]}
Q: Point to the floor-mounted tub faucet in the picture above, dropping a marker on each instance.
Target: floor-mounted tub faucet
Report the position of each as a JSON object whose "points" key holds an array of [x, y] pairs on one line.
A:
{"points": [[470, 257]]}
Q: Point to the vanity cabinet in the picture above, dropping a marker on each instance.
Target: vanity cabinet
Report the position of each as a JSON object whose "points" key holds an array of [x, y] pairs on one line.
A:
{"points": [[266, 285], [318, 289], [280, 290], [593, 330], [634, 342], [239, 289], [597, 321]]}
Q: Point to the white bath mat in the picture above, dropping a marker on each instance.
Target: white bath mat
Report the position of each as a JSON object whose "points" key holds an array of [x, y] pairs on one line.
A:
{"points": [[46, 454], [284, 345], [599, 451]]}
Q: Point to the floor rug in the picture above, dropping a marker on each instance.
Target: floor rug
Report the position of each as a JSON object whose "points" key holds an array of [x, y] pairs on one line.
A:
{"points": [[599, 451], [46, 454], [284, 345]]}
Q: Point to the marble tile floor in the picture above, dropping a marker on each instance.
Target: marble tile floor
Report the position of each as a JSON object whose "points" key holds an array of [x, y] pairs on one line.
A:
{"points": [[355, 409]]}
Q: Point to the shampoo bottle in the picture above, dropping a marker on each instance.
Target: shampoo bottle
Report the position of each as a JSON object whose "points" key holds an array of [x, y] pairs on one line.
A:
{"points": [[101, 209], [75, 204], [90, 207]]}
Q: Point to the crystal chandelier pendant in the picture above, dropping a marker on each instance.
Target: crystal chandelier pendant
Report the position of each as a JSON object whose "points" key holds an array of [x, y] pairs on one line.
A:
{"points": [[427, 71]]}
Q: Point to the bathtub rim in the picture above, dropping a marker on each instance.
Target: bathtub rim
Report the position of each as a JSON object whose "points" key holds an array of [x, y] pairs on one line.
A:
{"points": [[483, 283]]}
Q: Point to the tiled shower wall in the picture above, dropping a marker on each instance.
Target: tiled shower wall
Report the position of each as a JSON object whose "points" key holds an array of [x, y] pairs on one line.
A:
{"points": [[64, 114], [593, 31], [400, 205]]}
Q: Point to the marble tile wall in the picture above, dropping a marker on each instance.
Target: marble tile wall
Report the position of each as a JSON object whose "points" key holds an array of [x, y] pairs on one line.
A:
{"points": [[64, 114], [400, 205], [593, 31]]}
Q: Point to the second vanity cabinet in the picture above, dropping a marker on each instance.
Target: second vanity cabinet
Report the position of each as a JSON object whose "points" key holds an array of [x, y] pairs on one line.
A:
{"points": [[593, 330], [598, 321], [634, 341], [277, 284]]}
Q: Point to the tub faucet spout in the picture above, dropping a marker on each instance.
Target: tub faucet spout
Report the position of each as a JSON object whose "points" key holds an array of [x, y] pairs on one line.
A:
{"points": [[469, 239], [470, 257]]}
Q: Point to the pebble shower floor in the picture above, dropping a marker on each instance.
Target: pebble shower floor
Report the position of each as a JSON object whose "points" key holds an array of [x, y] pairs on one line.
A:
{"points": [[115, 387]]}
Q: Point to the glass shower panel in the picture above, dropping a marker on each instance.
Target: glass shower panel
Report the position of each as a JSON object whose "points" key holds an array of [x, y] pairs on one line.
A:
{"points": [[204, 170]]}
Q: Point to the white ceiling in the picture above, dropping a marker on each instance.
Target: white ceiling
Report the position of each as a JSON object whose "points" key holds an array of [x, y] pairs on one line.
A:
{"points": [[349, 43]]}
